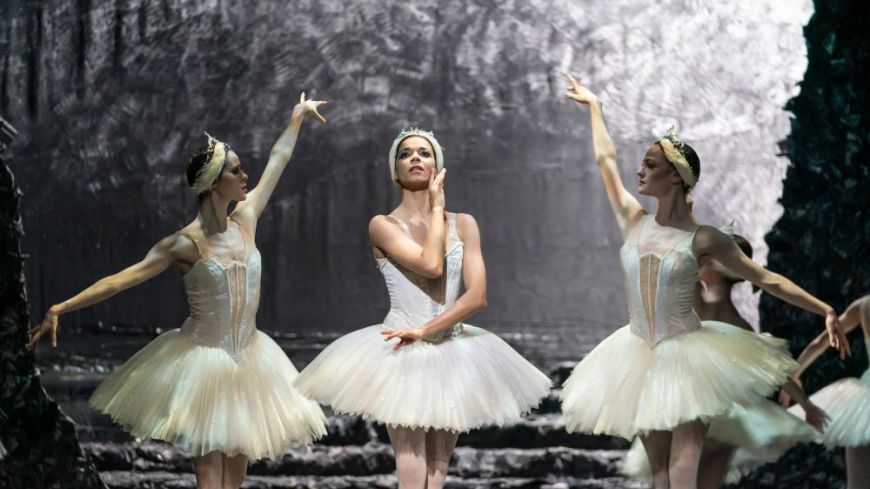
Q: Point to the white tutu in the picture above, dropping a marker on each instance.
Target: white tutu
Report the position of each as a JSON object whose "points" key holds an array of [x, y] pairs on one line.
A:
{"points": [[625, 388], [847, 402], [198, 398], [760, 434], [458, 384]]}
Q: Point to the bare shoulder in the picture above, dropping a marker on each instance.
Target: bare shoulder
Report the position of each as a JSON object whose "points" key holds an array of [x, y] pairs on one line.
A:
{"points": [[181, 245], [708, 237], [245, 216], [466, 225], [380, 223]]}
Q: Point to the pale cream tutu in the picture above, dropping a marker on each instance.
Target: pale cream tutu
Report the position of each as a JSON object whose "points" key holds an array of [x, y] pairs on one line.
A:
{"points": [[199, 399], [462, 382], [625, 388], [760, 434], [847, 402]]}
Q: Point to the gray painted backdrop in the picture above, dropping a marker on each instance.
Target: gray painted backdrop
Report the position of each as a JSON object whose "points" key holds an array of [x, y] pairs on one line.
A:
{"points": [[111, 98]]}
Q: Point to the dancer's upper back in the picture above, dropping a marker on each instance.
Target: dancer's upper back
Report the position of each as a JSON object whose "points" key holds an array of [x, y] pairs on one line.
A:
{"points": [[660, 274]]}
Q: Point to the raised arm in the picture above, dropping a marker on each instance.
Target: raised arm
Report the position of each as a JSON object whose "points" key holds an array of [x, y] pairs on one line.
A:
{"points": [[625, 206], [471, 301], [282, 150], [159, 258], [710, 243], [427, 260]]}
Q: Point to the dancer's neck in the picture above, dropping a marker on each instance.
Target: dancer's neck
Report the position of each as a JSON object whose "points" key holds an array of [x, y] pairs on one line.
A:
{"points": [[415, 204], [213, 214], [674, 211]]}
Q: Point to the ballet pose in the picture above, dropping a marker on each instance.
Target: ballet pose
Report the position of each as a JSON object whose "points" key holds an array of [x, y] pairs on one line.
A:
{"points": [[442, 377], [217, 387], [667, 373], [744, 437], [846, 401]]}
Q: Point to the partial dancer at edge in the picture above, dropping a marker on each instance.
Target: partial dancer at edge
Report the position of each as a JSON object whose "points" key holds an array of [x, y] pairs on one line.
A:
{"points": [[217, 387], [846, 401], [443, 377], [667, 373], [744, 437]]}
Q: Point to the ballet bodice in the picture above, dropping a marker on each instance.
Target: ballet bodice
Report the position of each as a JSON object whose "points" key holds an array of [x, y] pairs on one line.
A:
{"points": [[223, 296], [415, 299], [660, 274]]}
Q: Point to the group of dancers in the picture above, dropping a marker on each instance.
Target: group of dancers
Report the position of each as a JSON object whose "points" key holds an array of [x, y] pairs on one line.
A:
{"points": [[679, 378]]}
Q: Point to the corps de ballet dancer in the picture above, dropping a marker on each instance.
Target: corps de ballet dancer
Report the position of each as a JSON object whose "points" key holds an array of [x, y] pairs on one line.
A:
{"points": [[217, 387]]}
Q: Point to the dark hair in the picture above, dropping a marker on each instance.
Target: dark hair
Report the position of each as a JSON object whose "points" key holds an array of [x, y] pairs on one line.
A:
{"points": [[199, 158], [693, 160]]}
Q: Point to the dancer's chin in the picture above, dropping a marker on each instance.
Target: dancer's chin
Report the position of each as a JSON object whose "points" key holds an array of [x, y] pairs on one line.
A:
{"points": [[414, 185]]}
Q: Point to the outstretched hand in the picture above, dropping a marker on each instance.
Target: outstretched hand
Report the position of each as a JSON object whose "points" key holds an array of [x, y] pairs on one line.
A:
{"points": [[815, 417], [836, 336], [406, 336], [48, 325], [307, 108], [580, 93]]}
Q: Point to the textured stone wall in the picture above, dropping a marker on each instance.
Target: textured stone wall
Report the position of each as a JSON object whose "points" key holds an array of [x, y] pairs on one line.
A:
{"points": [[112, 96]]}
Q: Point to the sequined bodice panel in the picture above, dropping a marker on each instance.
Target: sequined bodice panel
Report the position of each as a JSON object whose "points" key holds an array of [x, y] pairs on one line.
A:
{"points": [[660, 274], [223, 299], [415, 299]]}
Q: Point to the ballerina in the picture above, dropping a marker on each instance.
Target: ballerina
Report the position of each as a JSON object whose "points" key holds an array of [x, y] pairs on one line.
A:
{"points": [[217, 387], [846, 401], [744, 437], [667, 372], [443, 377]]}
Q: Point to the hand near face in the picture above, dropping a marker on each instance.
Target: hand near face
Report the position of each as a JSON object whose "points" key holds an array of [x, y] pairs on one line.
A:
{"points": [[436, 188]]}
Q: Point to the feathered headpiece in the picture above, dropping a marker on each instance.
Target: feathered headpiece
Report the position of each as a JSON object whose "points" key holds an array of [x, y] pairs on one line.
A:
{"points": [[675, 152], [209, 172]]}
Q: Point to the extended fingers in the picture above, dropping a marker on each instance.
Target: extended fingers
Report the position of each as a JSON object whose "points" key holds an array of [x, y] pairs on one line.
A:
{"points": [[573, 80], [34, 339], [439, 178], [319, 117]]}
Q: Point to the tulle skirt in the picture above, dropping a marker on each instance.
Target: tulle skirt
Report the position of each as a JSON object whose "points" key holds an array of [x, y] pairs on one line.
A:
{"points": [[759, 434], [847, 402], [458, 384], [625, 388], [199, 399]]}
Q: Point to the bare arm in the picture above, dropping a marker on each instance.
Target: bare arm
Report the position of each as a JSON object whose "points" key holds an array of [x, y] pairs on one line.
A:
{"points": [[849, 320], [474, 278], [158, 259], [813, 414], [282, 150], [427, 260], [710, 243], [625, 206]]}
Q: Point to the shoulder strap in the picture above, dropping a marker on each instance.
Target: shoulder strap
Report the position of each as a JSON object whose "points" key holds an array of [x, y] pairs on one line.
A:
{"points": [[246, 236], [452, 230], [201, 247], [639, 228], [402, 224]]}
